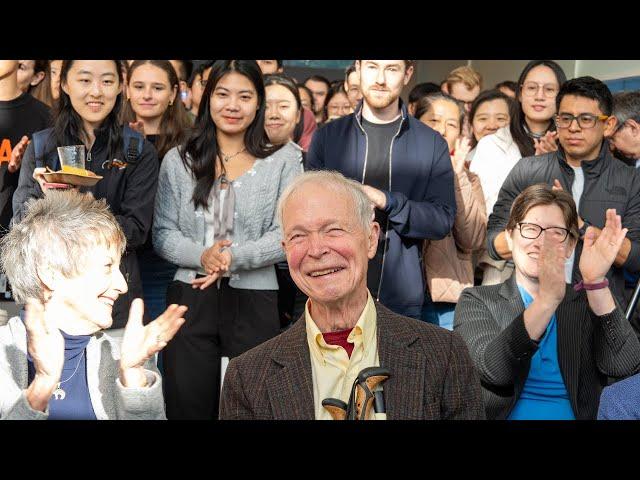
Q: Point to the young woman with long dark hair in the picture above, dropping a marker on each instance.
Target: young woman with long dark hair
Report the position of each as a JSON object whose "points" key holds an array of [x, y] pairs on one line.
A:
{"points": [[87, 113], [531, 131], [215, 217]]}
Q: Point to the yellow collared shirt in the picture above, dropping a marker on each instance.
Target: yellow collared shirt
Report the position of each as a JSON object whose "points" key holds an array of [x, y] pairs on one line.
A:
{"points": [[332, 370]]}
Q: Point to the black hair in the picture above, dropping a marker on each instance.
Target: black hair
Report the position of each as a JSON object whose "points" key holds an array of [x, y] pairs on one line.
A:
{"points": [[588, 87], [186, 67], [336, 88], [513, 86], [487, 96], [289, 84], [285, 81], [518, 121], [200, 152], [306, 89], [425, 104], [422, 90], [350, 69], [198, 71], [68, 128], [318, 78]]}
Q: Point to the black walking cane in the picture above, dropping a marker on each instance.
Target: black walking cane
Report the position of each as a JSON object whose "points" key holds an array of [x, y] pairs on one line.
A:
{"points": [[633, 302]]}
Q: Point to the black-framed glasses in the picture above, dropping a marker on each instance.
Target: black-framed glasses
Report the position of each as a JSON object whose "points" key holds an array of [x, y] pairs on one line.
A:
{"points": [[619, 128], [532, 231], [585, 120], [530, 89]]}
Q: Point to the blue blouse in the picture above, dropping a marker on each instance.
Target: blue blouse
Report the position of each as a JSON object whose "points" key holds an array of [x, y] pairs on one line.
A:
{"points": [[76, 404], [544, 396]]}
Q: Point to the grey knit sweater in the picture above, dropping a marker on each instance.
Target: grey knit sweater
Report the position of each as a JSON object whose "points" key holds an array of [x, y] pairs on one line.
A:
{"points": [[179, 227], [109, 398]]}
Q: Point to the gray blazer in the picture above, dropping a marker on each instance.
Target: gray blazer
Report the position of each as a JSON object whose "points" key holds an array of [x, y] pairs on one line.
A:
{"points": [[179, 227], [110, 400], [490, 319], [432, 376]]}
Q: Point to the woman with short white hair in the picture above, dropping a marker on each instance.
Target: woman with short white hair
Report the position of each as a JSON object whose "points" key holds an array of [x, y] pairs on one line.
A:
{"points": [[63, 261]]}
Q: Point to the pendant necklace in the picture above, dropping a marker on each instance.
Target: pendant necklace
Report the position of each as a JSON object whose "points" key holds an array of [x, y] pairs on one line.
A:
{"points": [[59, 393], [226, 158]]}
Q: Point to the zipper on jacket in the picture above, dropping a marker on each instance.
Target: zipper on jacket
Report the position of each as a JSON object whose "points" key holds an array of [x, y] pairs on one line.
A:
{"points": [[364, 170], [386, 233]]}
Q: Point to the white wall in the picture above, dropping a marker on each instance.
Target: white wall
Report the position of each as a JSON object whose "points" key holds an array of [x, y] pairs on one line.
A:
{"points": [[608, 69], [495, 71]]}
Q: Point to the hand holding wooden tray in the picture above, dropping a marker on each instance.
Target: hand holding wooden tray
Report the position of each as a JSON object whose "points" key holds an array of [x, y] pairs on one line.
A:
{"points": [[84, 178]]}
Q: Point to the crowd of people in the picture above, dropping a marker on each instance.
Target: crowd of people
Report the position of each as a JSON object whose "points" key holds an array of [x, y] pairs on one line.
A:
{"points": [[468, 254]]}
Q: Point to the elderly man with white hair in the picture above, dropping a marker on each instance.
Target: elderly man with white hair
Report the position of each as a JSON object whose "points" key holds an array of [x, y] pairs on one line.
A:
{"points": [[329, 236], [63, 261]]}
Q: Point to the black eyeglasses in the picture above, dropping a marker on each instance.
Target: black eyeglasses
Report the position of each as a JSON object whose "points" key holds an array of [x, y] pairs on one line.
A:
{"points": [[532, 231], [585, 120]]}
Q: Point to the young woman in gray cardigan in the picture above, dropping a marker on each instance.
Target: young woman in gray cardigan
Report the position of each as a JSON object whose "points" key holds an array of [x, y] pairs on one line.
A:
{"points": [[215, 218]]}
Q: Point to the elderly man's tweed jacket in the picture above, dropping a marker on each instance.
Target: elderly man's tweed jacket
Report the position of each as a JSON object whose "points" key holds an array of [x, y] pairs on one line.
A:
{"points": [[432, 376]]}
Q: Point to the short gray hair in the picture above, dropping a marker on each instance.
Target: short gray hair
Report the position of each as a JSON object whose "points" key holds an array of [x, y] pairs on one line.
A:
{"points": [[60, 230], [626, 105], [363, 208]]}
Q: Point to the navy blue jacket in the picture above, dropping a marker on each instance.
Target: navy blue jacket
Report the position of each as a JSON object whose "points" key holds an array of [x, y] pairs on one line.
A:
{"points": [[621, 401], [421, 204]]}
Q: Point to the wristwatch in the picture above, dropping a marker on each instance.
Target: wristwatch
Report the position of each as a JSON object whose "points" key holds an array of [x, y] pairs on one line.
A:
{"points": [[583, 230]]}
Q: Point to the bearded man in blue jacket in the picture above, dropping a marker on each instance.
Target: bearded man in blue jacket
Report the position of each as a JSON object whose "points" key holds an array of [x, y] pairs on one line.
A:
{"points": [[406, 171]]}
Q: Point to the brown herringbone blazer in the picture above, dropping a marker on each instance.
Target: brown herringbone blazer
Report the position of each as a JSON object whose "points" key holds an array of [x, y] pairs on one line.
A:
{"points": [[432, 375]]}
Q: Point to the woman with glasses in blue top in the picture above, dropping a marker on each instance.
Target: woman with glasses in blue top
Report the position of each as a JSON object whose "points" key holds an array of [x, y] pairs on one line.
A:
{"points": [[544, 349]]}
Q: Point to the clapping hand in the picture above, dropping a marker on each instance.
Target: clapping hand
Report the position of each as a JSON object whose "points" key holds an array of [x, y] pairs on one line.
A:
{"points": [[215, 259], [45, 343], [17, 153], [141, 342], [462, 149], [599, 251], [546, 144], [46, 348], [137, 126], [551, 274]]}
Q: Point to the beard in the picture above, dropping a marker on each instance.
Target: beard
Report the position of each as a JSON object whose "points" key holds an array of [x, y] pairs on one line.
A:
{"points": [[375, 100]]}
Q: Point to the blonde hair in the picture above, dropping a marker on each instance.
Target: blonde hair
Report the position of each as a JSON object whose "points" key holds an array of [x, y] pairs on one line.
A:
{"points": [[466, 75]]}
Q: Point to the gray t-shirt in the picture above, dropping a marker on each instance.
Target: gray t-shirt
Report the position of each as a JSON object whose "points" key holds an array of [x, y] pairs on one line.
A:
{"points": [[576, 192], [376, 175]]}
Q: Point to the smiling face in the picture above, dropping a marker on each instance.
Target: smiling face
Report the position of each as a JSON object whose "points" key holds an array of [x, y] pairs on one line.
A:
{"points": [[150, 92], [382, 81], [338, 106], [234, 103], [539, 106], [444, 118], [489, 117], [282, 114], [94, 290], [327, 248], [527, 251], [93, 87]]}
